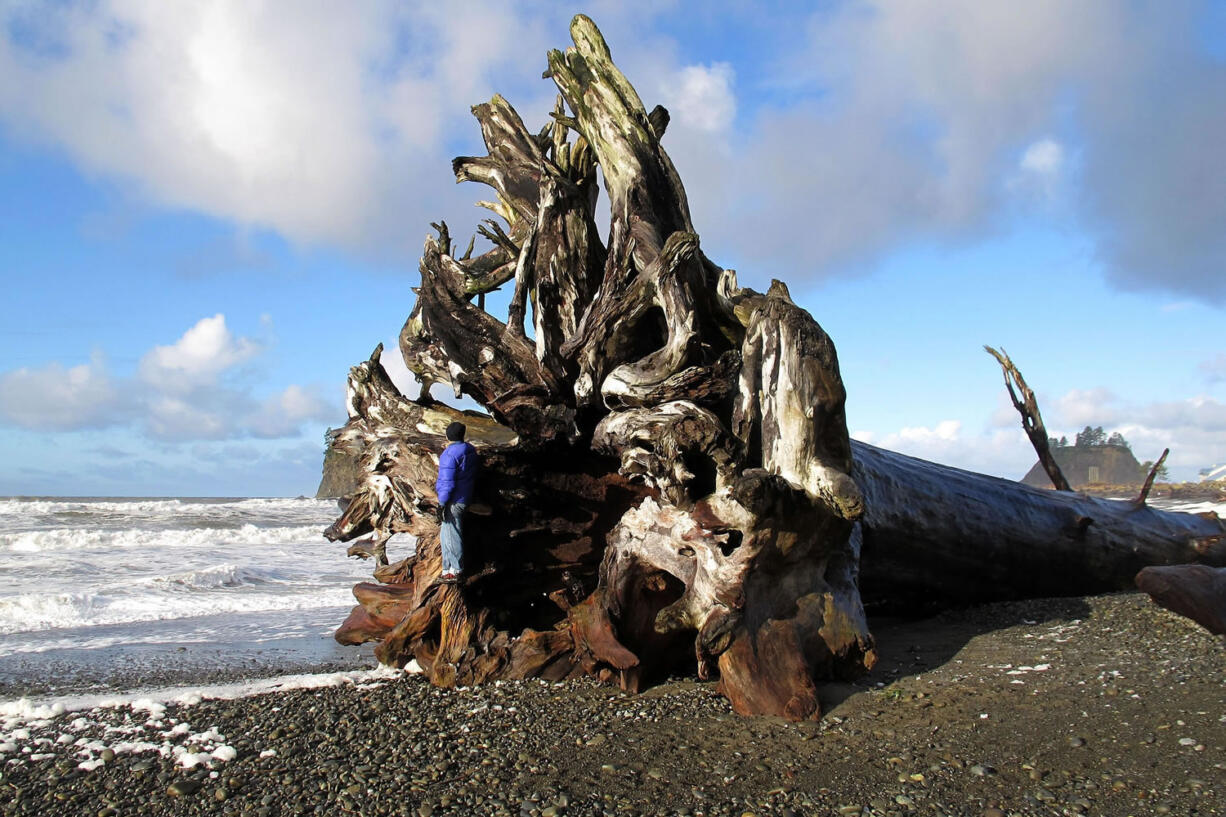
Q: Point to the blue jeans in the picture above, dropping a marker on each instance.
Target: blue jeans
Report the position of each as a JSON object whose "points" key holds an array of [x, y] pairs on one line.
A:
{"points": [[451, 537]]}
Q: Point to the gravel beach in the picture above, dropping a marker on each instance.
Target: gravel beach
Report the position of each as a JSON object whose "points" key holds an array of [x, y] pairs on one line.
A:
{"points": [[1105, 705]]}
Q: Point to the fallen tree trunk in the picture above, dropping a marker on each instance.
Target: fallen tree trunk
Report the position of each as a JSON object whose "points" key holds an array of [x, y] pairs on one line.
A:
{"points": [[936, 535], [668, 479]]}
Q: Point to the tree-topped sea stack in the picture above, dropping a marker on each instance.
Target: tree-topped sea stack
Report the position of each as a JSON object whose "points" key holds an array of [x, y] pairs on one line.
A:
{"points": [[668, 480]]}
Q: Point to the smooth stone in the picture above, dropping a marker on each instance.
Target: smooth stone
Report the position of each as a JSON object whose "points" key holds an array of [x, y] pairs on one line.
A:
{"points": [[181, 788]]}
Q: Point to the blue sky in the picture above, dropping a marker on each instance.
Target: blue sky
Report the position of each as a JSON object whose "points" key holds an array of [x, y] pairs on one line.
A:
{"points": [[210, 210]]}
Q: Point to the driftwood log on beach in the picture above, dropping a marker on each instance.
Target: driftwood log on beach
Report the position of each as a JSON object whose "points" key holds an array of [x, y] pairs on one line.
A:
{"points": [[668, 481], [936, 535], [1195, 591]]}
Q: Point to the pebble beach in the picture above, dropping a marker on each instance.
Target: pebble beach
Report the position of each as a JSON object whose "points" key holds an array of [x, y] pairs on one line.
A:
{"points": [[1103, 705]]}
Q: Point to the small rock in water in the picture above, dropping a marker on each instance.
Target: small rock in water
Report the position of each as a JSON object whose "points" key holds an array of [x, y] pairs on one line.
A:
{"points": [[181, 788], [1076, 742]]}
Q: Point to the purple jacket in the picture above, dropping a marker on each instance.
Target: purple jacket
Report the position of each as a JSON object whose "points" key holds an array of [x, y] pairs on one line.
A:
{"points": [[457, 469]]}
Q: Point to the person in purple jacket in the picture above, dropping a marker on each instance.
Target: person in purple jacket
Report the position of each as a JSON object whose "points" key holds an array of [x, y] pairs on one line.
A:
{"points": [[457, 470]]}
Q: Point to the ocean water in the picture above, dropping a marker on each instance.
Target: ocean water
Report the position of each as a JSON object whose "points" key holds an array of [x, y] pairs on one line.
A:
{"points": [[92, 585]]}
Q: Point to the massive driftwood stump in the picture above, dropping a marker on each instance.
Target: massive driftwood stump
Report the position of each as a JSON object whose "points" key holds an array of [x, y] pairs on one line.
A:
{"points": [[668, 480], [666, 464]]}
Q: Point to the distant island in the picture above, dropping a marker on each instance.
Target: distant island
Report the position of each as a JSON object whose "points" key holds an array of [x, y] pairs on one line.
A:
{"points": [[1094, 458], [1104, 465]]}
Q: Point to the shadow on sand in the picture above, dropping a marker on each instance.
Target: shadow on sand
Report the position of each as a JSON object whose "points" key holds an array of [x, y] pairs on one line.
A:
{"points": [[908, 646]]}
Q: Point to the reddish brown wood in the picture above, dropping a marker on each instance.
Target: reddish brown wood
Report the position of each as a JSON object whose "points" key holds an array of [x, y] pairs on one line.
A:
{"points": [[1195, 591]]}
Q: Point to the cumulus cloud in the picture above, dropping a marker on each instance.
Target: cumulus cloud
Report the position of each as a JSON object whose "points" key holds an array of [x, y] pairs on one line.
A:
{"points": [[283, 414], [917, 119], [895, 121], [179, 393], [402, 378], [1000, 452], [175, 419], [55, 398], [1040, 170], [198, 357], [315, 124], [1086, 407], [1202, 413], [1043, 158], [701, 97]]}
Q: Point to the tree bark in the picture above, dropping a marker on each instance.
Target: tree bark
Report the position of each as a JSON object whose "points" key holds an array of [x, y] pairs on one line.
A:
{"points": [[936, 535], [1195, 591], [1149, 479]]}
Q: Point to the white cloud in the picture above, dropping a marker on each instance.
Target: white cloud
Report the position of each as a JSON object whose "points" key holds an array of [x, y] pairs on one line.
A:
{"points": [[701, 97], [178, 394], [1202, 413], [320, 123], [892, 120], [1043, 158], [393, 363], [913, 119], [283, 414], [1040, 170], [1004, 452], [175, 419], [55, 398], [197, 358], [1086, 407]]}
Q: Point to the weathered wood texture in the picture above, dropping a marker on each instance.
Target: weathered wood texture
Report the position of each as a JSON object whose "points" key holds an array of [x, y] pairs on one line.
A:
{"points": [[1032, 422], [932, 534], [666, 466], [668, 478], [1195, 591]]}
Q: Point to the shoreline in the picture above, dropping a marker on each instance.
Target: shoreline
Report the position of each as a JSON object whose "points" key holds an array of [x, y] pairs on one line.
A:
{"points": [[1103, 705], [122, 668]]}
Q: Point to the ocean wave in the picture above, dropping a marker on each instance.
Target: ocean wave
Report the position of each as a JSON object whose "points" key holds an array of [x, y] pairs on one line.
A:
{"points": [[163, 507], [218, 576], [38, 612], [79, 539], [240, 631]]}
